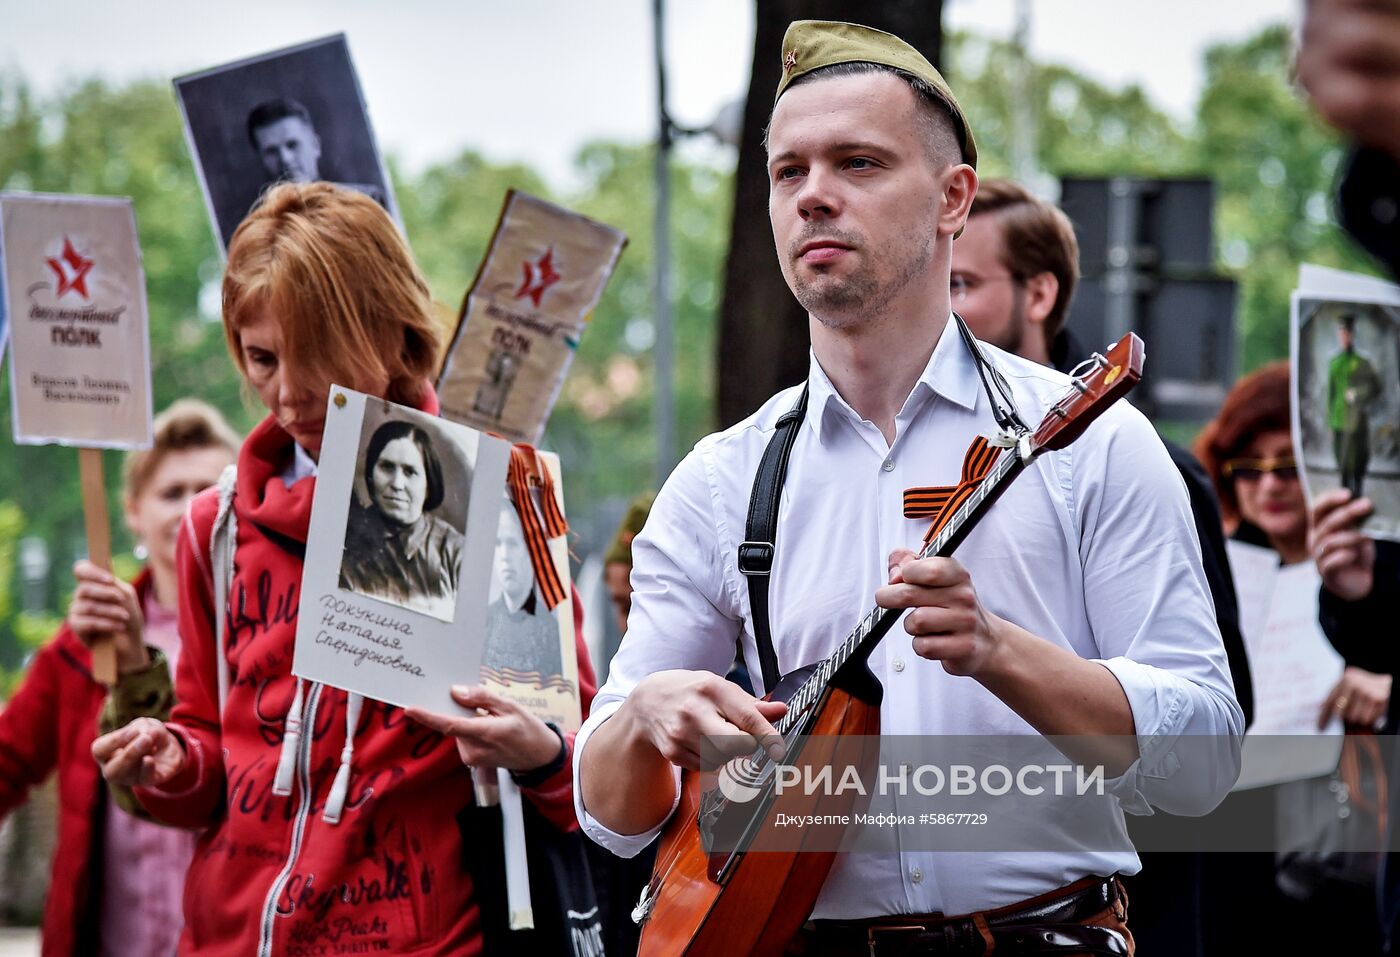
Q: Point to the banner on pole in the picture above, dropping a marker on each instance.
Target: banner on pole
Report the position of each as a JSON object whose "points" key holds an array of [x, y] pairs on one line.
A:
{"points": [[73, 287]]}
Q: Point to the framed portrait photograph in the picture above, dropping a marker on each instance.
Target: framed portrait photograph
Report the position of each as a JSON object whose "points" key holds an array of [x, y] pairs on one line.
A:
{"points": [[295, 114], [1346, 408], [400, 552]]}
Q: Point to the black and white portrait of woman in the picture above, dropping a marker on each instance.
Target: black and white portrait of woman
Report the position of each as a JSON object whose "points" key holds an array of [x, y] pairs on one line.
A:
{"points": [[398, 548], [522, 633]]}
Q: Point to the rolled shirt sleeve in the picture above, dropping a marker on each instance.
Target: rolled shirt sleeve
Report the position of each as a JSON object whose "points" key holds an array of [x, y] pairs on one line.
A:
{"points": [[678, 575], [1149, 609]]}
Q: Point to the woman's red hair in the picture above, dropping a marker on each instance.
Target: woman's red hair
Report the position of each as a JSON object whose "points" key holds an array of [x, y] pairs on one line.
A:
{"points": [[1258, 403], [332, 266]]}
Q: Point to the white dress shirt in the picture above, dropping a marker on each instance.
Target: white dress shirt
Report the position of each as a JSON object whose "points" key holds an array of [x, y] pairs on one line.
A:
{"points": [[1093, 548]]}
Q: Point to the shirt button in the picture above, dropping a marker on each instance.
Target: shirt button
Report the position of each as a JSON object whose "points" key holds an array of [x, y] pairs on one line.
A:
{"points": [[899, 664], [916, 875], [889, 465]]}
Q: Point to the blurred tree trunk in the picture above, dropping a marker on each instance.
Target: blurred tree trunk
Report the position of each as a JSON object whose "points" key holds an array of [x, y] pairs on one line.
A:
{"points": [[763, 331]]}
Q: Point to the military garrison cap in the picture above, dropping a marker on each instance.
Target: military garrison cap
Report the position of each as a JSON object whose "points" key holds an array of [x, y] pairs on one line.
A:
{"points": [[812, 44], [620, 552]]}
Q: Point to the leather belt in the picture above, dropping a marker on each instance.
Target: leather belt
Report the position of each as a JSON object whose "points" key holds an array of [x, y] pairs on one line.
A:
{"points": [[1040, 926]]}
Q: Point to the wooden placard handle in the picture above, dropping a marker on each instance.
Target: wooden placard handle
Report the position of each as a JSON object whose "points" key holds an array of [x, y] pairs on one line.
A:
{"points": [[99, 541]]}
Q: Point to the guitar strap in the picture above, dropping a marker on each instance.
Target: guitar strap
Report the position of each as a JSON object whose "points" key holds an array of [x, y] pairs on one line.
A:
{"points": [[761, 529], [761, 532]]}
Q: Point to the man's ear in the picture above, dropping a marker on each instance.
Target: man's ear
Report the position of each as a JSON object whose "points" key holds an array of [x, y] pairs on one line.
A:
{"points": [[1041, 291], [959, 187]]}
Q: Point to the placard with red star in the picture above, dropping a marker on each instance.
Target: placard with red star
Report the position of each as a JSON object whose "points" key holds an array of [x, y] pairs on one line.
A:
{"points": [[524, 316], [72, 284]]}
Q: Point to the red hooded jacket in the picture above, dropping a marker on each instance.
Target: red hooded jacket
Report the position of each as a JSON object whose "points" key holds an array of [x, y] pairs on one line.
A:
{"points": [[51, 723], [271, 876]]}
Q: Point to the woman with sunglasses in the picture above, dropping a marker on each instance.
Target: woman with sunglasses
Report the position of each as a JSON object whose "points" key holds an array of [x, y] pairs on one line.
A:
{"points": [[1248, 451]]}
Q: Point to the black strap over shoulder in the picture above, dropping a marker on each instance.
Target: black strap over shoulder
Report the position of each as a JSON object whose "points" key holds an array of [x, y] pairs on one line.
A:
{"points": [[761, 531]]}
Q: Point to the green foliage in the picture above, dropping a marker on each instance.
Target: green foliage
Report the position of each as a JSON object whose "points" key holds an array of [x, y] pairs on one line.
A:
{"points": [[1272, 162], [96, 138], [602, 425], [1082, 127]]}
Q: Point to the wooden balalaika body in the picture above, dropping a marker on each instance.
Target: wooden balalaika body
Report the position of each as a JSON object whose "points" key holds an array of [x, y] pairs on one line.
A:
{"points": [[753, 900]]}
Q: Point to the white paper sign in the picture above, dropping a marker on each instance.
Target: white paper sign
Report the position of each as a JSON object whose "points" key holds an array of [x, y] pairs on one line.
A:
{"points": [[1292, 665], [399, 553], [75, 294]]}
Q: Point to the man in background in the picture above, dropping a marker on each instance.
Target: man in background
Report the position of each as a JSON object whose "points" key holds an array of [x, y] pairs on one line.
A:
{"points": [[1016, 302], [1015, 268], [1349, 65]]}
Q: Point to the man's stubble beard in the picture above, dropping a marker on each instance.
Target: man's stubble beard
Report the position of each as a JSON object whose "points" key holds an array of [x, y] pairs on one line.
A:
{"points": [[1015, 335], [860, 298]]}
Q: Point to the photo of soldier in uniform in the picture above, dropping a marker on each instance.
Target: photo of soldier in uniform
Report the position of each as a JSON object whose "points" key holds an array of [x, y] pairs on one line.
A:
{"points": [[501, 368], [1347, 402], [293, 115], [522, 633], [1352, 388], [404, 531]]}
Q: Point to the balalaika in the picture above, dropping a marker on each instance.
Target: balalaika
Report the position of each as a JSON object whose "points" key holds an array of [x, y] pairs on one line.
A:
{"points": [[750, 900]]}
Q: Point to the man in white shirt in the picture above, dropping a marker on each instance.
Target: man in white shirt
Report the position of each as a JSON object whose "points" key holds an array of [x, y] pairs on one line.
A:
{"points": [[1076, 607]]}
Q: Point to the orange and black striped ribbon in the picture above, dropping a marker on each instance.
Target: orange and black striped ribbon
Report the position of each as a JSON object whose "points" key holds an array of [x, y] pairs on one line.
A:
{"points": [[939, 502], [554, 522], [525, 471]]}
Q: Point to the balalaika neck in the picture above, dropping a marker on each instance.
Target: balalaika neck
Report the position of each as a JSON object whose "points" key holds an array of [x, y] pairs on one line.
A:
{"points": [[873, 627]]}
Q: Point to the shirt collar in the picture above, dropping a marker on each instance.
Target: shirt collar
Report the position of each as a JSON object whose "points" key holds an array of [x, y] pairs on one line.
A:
{"points": [[301, 466], [950, 373]]}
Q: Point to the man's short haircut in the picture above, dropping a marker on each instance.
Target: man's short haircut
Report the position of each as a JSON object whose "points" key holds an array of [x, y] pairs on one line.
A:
{"points": [[270, 111], [1036, 237], [432, 468], [939, 128]]}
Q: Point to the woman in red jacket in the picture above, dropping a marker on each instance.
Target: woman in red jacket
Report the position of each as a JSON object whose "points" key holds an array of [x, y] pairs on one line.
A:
{"points": [[116, 880], [320, 288]]}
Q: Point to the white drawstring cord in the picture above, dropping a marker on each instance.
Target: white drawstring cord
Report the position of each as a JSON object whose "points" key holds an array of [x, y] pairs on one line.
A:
{"points": [[291, 740], [335, 803]]}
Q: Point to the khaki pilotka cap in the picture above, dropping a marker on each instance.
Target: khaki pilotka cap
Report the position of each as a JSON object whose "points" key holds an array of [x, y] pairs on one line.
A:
{"points": [[812, 44], [620, 552]]}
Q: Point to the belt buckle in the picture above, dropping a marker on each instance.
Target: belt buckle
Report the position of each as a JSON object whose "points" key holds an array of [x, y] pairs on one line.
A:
{"points": [[875, 930]]}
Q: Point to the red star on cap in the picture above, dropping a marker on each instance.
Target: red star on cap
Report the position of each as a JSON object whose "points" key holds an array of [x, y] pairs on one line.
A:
{"points": [[71, 270], [790, 61], [539, 276]]}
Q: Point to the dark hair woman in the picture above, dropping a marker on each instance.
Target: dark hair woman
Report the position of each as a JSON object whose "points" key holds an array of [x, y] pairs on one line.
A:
{"points": [[396, 550]]}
